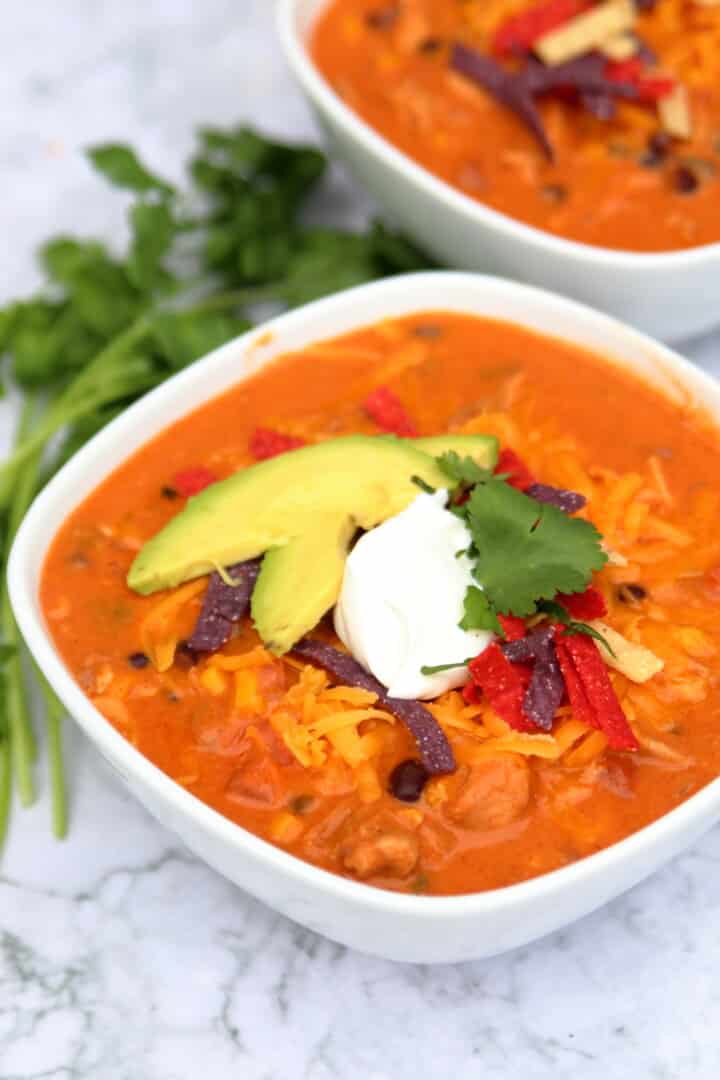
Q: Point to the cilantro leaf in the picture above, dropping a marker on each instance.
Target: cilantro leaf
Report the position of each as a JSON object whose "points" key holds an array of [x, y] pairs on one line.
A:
{"points": [[555, 611], [528, 551], [479, 614], [121, 166], [464, 471]]}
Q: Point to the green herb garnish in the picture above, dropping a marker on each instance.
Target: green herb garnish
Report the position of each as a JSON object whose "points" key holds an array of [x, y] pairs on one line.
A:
{"points": [[524, 552], [423, 485], [572, 626], [436, 668]]}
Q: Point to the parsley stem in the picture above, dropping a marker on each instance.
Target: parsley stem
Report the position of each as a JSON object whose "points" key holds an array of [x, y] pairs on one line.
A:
{"points": [[85, 390], [23, 747], [5, 788], [254, 294], [54, 717]]}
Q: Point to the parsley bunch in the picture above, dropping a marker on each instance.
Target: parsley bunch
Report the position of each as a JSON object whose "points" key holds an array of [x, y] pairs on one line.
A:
{"points": [[108, 327]]}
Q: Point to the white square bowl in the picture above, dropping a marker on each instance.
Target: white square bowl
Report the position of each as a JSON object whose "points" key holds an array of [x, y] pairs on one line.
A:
{"points": [[397, 926], [672, 295]]}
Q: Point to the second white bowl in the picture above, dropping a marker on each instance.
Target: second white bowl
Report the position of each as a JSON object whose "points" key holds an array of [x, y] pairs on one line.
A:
{"points": [[671, 295]]}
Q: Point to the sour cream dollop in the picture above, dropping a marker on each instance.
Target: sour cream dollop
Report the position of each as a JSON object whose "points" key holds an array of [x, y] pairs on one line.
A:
{"points": [[402, 600]]}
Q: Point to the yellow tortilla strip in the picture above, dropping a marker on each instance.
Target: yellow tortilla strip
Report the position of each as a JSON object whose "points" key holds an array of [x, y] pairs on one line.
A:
{"points": [[585, 32], [634, 661], [621, 47], [674, 113]]}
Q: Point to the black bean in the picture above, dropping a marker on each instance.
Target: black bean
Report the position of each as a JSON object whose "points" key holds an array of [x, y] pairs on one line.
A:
{"points": [[168, 493], [430, 45], [383, 18], [300, 804], [408, 779], [554, 193], [138, 660], [185, 657], [658, 148], [630, 593], [429, 331], [685, 181]]}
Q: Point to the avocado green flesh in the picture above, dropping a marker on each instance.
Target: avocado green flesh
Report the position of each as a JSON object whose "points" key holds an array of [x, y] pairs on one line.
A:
{"points": [[318, 556], [302, 508]]}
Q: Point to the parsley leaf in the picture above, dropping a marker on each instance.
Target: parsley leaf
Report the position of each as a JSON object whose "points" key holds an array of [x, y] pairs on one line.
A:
{"points": [[528, 551], [154, 231], [122, 167]]}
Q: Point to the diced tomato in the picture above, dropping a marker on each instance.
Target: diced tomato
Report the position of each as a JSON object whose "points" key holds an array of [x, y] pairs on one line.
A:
{"points": [[513, 626], [624, 71], [192, 481], [514, 469], [266, 443], [503, 685], [590, 691], [517, 34], [584, 606], [650, 88], [388, 412]]}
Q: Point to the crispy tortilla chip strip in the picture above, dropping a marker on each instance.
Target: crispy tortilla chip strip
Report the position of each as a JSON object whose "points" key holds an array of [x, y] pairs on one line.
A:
{"points": [[586, 32]]}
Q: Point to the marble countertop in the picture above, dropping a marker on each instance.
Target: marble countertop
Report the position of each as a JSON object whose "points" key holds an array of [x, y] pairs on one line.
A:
{"points": [[121, 956]]}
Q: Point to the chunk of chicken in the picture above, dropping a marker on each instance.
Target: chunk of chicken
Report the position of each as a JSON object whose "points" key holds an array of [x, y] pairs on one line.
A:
{"points": [[393, 854], [494, 793], [379, 841]]}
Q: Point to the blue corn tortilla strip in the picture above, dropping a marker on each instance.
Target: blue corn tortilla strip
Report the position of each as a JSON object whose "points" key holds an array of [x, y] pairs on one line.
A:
{"points": [[223, 605], [519, 89], [435, 750], [529, 648], [547, 686], [567, 501], [505, 87], [599, 104], [545, 690]]}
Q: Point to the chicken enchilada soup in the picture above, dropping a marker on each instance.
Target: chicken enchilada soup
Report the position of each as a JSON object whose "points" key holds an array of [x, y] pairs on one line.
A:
{"points": [[432, 605], [596, 120]]}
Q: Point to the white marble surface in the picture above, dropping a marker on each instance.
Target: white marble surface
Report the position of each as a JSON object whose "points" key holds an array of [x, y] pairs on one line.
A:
{"points": [[121, 956]]}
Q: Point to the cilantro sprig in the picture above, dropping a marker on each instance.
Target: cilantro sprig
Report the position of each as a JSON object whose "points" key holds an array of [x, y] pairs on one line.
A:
{"points": [[524, 552], [108, 326]]}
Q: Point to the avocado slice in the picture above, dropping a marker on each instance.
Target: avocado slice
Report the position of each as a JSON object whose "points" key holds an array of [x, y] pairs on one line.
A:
{"points": [[287, 571], [302, 508]]}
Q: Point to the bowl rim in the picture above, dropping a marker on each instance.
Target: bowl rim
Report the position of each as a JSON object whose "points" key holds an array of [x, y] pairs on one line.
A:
{"points": [[321, 92], [24, 570]]}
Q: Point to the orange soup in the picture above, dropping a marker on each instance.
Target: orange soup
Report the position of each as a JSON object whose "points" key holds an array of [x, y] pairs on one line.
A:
{"points": [[331, 770], [619, 153]]}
